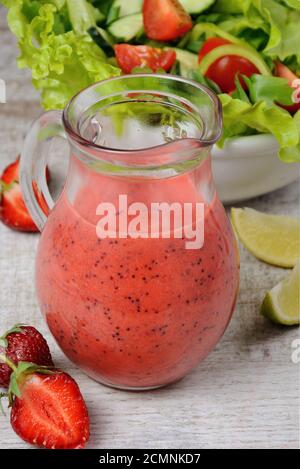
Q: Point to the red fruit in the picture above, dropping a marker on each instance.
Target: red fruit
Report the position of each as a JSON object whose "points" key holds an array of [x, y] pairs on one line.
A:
{"points": [[224, 70], [165, 20], [50, 410], [129, 57], [11, 172], [13, 211], [23, 343]]}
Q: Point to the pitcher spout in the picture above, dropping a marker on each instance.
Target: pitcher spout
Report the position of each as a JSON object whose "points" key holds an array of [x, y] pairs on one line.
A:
{"points": [[144, 120]]}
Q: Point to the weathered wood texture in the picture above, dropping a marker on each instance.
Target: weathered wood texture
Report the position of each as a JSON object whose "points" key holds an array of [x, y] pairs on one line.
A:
{"points": [[245, 394]]}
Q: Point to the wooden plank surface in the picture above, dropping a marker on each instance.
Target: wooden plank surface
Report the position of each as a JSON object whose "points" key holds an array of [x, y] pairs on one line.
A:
{"points": [[245, 394]]}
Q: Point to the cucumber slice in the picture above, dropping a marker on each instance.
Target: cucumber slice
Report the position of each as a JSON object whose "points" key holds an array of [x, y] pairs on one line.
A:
{"points": [[128, 7], [105, 36], [127, 27], [196, 6], [187, 61]]}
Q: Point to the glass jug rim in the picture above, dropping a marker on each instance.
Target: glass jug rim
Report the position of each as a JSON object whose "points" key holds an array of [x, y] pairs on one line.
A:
{"points": [[84, 143]]}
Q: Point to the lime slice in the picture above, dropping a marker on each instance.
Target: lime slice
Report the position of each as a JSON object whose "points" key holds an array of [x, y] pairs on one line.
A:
{"points": [[282, 303], [274, 239]]}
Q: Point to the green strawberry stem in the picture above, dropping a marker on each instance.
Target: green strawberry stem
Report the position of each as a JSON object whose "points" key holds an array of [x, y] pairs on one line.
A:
{"points": [[7, 361]]}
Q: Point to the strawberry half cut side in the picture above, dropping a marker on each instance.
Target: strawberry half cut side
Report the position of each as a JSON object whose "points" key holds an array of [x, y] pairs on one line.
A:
{"points": [[47, 408]]}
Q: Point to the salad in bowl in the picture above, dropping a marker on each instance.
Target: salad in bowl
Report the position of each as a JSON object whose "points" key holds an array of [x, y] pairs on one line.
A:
{"points": [[247, 51]]}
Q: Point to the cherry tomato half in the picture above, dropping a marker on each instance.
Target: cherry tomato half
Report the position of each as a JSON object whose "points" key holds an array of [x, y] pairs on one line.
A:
{"points": [[224, 70], [165, 20], [129, 57]]}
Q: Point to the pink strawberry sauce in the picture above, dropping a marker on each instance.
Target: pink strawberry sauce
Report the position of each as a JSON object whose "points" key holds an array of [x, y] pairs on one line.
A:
{"points": [[135, 313]]}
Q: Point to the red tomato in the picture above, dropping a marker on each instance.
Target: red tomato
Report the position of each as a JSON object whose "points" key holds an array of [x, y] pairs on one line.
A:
{"points": [[165, 20], [294, 81], [129, 57], [224, 69]]}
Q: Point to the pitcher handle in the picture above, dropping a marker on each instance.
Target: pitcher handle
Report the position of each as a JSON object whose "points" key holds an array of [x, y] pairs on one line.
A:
{"points": [[33, 165]]}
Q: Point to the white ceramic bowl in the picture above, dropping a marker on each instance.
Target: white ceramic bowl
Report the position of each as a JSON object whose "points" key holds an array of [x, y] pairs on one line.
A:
{"points": [[249, 166]]}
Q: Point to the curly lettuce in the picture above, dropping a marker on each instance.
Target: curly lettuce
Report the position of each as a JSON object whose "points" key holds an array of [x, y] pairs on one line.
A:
{"points": [[54, 44], [242, 118]]}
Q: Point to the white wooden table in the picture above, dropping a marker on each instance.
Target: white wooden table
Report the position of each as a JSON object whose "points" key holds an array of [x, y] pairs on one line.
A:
{"points": [[245, 394]]}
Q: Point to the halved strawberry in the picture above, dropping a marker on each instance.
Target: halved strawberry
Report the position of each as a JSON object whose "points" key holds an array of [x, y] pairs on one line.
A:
{"points": [[13, 211], [11, 172], [47, 408]]}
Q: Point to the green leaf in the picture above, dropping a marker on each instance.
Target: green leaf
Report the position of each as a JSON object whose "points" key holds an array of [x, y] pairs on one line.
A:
{"points": [[197, 76], [241, 118], [13, 389], [82, 15], [239, 92], [29, 368], [293, 3], [61, 64], [291, 154], [103, 5], [232, 6], [269, 89], [195, 46], [144, 70]]}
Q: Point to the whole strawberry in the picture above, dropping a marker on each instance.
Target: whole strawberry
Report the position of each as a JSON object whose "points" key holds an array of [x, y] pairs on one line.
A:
{"points": [[47, 408], [23, 343]]}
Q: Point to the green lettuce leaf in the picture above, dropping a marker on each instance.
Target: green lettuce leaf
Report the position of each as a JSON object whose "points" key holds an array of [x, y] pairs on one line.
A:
{"points": [[242, 118], [62, 61], [291, 154], [269, 89], [83, 15], [284, 36]]}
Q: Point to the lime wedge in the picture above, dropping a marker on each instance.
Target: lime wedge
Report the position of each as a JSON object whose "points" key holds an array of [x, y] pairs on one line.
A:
{"points": [[274, 239], [282, 303]]}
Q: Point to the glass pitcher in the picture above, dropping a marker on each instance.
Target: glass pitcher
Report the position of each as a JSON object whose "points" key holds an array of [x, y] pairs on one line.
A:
{"points": [[137, 268]]}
